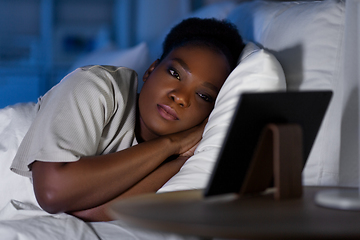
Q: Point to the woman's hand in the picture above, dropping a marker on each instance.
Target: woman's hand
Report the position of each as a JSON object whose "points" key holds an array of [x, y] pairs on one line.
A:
{"points": [[190, 152], [188, 140]]}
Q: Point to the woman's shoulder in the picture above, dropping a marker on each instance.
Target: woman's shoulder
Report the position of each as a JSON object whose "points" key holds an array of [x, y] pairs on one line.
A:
{"points": [[108, 68], [115, 85], [114, 71], [122, 77]]}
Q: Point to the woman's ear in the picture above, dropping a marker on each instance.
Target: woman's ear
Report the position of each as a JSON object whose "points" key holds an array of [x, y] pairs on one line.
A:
{"points": [[150, 69]]}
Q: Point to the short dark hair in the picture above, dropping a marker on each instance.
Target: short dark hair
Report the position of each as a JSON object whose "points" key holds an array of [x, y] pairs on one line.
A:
{"points": [[220, 35]]}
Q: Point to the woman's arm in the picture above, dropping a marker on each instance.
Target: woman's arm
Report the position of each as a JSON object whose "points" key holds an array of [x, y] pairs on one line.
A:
{"points": [[93, 181], [150, 184]]}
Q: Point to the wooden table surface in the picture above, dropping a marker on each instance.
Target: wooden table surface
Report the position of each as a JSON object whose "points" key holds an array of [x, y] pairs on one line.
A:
{"points": [[257, 217]]}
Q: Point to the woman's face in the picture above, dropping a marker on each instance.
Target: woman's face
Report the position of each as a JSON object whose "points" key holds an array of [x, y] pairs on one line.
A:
{"points": [[180, 91]]}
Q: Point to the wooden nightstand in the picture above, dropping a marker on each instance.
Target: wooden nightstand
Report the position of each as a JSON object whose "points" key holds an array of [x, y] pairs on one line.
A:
{"points": [[257, 217]]}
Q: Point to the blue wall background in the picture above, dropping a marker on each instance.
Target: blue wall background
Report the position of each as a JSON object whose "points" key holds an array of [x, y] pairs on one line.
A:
{"points": [[41, 39]]}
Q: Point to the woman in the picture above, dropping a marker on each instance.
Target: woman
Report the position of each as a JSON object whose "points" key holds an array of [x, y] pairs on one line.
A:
{"points": [[93, 142]]}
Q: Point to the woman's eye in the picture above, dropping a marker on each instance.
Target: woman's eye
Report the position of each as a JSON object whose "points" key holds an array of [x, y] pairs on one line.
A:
{"points": [[205, 97], [174, 73]]}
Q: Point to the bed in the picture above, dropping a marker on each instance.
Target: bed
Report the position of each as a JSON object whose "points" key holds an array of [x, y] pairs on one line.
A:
{"points": [[290, 46]]}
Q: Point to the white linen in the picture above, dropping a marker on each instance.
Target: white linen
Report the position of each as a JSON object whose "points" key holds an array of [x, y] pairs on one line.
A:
{"points": [[120, 230], [15, 121], [31, 223]]}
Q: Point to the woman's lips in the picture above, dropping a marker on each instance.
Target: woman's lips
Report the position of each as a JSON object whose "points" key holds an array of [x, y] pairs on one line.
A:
{"points": [[167, 112]]}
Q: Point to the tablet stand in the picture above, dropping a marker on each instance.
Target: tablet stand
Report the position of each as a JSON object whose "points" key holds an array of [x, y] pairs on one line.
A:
{"points": [[277, 158]]}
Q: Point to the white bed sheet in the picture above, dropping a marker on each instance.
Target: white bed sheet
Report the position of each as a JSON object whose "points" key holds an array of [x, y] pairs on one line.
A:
{"points": [[28, 222]]}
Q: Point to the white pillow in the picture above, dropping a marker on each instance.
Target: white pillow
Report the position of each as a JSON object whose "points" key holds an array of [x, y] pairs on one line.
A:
{"points": [[15, 122], [307, 39], [258, 71], [136, 58], [304, 36]]}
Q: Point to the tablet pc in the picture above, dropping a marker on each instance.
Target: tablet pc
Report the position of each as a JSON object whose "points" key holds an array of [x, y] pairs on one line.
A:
{"points": [[254, 111]]}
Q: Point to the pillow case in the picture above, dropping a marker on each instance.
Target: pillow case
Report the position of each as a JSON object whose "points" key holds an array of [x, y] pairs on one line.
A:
{"points": [[257, 71], [307, 39], [136, 58], [304, 36]]}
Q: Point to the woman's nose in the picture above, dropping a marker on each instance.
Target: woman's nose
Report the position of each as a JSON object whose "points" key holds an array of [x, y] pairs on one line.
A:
{"points": [[179, 97]]}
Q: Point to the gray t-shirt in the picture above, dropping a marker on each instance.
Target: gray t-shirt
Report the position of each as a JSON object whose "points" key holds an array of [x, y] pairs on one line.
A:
{"points": [[90, 112]]}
